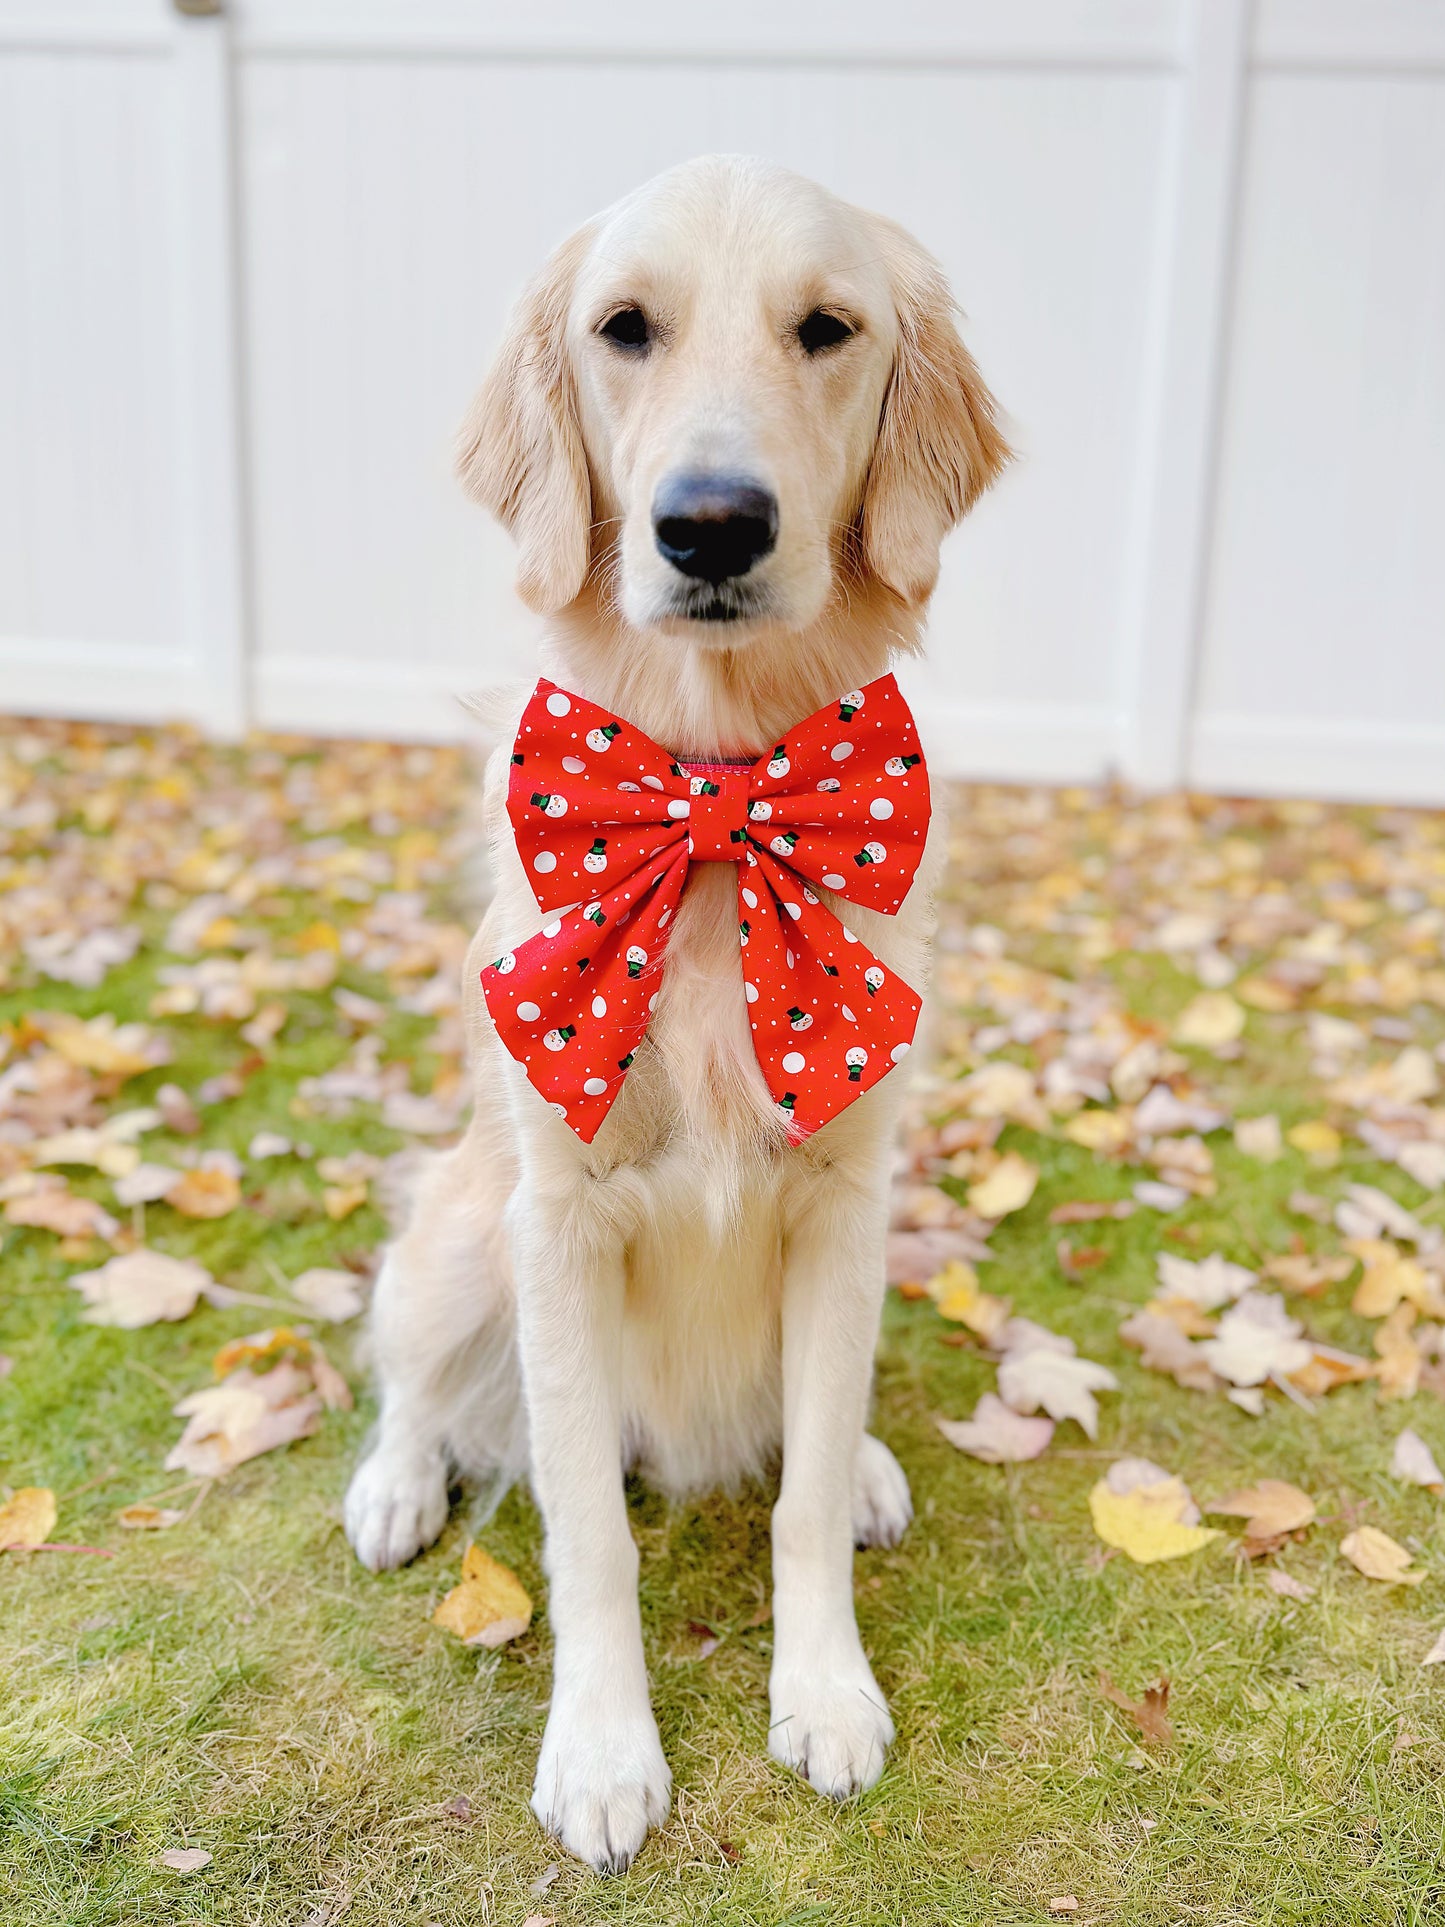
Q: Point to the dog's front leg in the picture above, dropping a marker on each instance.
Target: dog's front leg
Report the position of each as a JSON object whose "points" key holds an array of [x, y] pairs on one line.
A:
{"points": [[601, 1778], [828, 1718]]}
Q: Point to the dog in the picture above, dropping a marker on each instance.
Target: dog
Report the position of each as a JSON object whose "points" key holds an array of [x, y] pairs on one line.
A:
{"points": [[729, 426]]}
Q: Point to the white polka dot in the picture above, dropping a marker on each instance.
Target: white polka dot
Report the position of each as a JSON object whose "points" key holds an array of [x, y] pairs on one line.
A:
{"points": [[679, 806], [750, 899], [558, 704], [848, 1013], [880, 808], [653, 782], [899, 1052], [751, 992], [834, 881], [652, 1001], [841, 752], [574, 765], [790, 957], [794, 910], [848, 935], [595, 1086], [544, 861], [794, 1061], [599, 1006], [662, 920], [552, 929], [529, 1013]]}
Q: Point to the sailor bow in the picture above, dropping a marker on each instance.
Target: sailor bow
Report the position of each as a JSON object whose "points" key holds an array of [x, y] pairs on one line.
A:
{"points": [[608, 825]]}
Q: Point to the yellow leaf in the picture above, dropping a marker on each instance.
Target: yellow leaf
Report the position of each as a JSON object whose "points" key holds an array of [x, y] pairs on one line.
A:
{"points": [[1270, 1505], [1008, 1187], [1389, 1278], [266, 1344], [1147, 1522], [1097, 1130], [1209, 1020], [955, 1291], [1319, 1141], [489, 1607], [28, 1518], [210, 1191], [319, 936], [1378, 1556], [340, 1200]]}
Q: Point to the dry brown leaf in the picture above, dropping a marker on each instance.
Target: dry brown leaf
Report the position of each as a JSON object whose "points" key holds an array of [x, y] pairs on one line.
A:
{"points": [[1378, 1556], [1400, 1357], [53, 1206], [27, 1518], [1271, 1506], [1287, 1586], [1164, 1347], [148, 1518], [1090, 1210], [1436, 1654], [489, 1607], [1150, 1714]]}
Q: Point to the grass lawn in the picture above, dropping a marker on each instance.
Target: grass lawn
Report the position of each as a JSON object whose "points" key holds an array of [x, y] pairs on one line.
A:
{"points": [[238, 1684]]}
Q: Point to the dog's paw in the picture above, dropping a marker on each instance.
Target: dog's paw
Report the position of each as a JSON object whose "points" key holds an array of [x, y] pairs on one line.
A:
{"points": [[395, 1507], [833, 1729], [882, 1505], [601, 1783]]}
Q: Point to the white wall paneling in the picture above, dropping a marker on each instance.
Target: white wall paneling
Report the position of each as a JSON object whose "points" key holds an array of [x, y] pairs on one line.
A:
{"points": [[1201, 243]]}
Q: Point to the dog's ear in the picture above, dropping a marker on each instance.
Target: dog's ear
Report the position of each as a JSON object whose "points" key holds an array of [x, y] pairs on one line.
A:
{"points": [[520, 451], [939, 445]]}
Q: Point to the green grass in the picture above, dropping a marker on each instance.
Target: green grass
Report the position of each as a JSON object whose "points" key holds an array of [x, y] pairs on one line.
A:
{"points": [[239, 1684]]}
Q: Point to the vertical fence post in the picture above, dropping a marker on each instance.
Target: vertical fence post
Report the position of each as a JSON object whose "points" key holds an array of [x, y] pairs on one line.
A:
{"points": [[1172, 519], [209, 478]]}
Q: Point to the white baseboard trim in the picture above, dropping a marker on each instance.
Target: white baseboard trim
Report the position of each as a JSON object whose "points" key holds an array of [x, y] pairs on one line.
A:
{"points": [[1355, 762], [100, 682], [320, 696], [1020, 742]]}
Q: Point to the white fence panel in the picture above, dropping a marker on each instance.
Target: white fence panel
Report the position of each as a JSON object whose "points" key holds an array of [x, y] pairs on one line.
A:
{"points": [[256, 262]]}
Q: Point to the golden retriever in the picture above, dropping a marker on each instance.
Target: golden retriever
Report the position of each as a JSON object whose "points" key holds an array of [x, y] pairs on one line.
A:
{"points": [[692, 1294]]}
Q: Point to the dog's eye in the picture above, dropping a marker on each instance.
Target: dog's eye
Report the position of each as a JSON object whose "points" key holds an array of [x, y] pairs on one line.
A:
{"points": [[821, 330], [627, 328]]}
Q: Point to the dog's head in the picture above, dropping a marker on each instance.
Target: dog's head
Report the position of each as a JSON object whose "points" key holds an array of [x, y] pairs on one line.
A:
{"points": [[727, 398]]}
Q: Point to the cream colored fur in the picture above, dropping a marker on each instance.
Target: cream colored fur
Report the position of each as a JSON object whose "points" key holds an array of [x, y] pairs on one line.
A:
{"points": [[690, 1295]]}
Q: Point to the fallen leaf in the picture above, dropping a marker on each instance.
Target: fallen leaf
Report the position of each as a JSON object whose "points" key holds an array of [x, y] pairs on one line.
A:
{"points": [[1164, 1348], [1144, 1511], [1064, 1904], [1089, 1210], [206, 1192], [1209, 1020], [997, 1434], [146, 1184], [1414, 1462], [1436, 1654], [1287, 1586], [143, 1287], [1257, 1340], [53, 1206], [340, 1200], [1150, 1714], [1271, 1506], [1400, 1357], [1206, 1283], [27, 1518], [242, 1417], [1259, 1137], [332, 1295], [148, 1518], [1036, 1377], [956, 1293], [1378, 1556], [1319, 1141], [185, 1859], [489, 1607], [1008, 1187], [1102, 1132]]}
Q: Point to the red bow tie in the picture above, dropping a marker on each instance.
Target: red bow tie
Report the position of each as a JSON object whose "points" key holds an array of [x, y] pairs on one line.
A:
{"points": [[607, 821]]}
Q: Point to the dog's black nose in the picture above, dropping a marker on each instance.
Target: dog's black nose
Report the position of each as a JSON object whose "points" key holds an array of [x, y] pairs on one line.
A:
{"points": [[714, 526]]}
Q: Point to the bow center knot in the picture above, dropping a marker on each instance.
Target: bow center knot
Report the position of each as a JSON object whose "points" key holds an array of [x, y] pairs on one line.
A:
{"points": [[717, 819]]}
